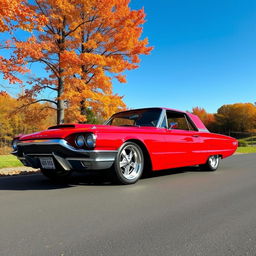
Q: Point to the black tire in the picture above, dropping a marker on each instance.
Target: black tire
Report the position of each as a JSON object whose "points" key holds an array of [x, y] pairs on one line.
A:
{"points": [[130, 155], [212, 164], [56, 175]]}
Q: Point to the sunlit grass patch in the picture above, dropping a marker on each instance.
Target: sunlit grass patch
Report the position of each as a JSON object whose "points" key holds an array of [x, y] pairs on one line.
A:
{"points": [[246, 150], [9, 161]]}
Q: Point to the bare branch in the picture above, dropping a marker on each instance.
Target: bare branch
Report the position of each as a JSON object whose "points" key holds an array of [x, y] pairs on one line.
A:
{"points": [[37, 101], [88, 81], [51, 28], [51, 66], [78, 26]]}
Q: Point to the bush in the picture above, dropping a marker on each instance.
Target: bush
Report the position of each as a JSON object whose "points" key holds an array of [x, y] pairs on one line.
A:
{"points": [[242, 143], [5, 150]]}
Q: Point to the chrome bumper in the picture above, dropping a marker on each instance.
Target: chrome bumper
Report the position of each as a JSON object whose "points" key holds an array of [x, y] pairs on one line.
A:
{"points": [[64, 155]]}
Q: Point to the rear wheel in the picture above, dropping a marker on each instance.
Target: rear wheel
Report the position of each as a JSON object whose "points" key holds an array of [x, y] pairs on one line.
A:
{"points": [[129, 163], [212, 163], [56, 175]]}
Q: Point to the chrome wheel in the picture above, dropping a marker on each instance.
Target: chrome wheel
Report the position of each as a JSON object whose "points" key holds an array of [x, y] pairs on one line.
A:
{"points": [[129, 163], [214, 161]]}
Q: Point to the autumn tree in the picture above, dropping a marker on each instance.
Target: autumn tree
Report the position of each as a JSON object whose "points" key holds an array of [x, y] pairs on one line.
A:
{"points": [[13, 122], [16, 14], [207, 118], [84, 46], [236, 117]]}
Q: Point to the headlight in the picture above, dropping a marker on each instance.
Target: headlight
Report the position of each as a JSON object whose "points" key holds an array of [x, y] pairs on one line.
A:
{"points": [[14, 144], [90, 141], [80, 142]]}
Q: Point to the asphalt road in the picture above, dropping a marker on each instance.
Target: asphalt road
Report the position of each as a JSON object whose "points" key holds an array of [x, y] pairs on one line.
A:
{"points": [[181, 212]]}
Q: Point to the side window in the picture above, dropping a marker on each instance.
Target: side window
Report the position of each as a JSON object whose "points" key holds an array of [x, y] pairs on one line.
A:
{"points": [[179, 121]]}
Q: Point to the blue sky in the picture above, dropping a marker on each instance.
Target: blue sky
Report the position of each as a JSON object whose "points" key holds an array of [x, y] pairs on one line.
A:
{"points": [[204, 55]]}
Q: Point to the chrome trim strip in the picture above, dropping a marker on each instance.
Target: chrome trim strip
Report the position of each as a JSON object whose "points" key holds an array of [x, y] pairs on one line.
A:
{"points": [[41, 141], [212, 151], [203, 130], [21, 158], [161, 118], [90, 159], [64, 164], [62, 143]]}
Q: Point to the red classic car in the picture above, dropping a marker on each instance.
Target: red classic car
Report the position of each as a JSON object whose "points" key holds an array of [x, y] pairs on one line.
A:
{"points": [[128, 143]]}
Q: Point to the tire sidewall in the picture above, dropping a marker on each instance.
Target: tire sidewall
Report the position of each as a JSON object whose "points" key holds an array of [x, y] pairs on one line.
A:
{"points": [[210, 167]]}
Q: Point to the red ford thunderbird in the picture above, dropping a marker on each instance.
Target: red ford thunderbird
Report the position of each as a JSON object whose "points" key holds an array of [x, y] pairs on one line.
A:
{"points": [[128, 143]]}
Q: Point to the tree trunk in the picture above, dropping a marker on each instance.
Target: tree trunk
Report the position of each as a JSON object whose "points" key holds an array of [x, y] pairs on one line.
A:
{"points": [[60, 103], [83, 50]]}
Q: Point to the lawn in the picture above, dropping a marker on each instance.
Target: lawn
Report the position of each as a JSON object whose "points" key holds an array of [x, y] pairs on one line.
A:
{"points": [[246, 150], [9, 161]]}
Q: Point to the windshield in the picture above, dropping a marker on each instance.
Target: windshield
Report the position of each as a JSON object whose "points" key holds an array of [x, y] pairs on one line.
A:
{"points": [[141, 117]]}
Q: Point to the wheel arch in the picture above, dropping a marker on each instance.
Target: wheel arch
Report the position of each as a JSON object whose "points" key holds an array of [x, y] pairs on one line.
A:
{"points": [[148, 161]]}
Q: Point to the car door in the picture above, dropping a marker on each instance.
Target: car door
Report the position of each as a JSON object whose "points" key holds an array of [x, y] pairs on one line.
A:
{"points": [[182, 139]]}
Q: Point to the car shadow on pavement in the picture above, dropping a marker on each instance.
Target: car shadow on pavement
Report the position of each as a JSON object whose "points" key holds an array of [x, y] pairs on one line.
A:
{"points": [[100, 178], [175, 171], [29, 182]]}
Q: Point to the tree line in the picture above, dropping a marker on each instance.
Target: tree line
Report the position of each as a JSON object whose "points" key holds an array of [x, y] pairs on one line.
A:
{"points": [[238, 117]]}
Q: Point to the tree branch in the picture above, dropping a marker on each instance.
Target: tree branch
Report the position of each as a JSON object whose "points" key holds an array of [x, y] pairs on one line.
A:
{"points": [[51, 66], [37, 101], [45, 14], [78, 26]]}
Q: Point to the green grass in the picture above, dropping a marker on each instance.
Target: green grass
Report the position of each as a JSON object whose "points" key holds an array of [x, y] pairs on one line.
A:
{"points": [[252, 138], [246, 150], [9, 161]]}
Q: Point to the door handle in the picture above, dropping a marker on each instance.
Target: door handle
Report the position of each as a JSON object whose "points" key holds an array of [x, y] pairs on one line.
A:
{"points": [[195, 136]]}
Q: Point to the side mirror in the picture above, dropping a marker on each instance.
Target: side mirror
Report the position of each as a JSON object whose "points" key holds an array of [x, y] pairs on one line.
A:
{"points": [[173, 125]]}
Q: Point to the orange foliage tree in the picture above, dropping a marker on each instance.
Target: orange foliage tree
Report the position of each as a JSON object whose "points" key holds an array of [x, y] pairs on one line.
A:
{"points": [[207, 118], [84, 46], [13, 122], [237, 117], [16, 14]]}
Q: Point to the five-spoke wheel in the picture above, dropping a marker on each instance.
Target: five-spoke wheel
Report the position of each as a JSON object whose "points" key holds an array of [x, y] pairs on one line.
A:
{"points": [[129, 163]]}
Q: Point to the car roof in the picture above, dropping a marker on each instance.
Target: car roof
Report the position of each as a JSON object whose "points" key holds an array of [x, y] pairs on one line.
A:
{"points": [[195, 119], [176, 110]]}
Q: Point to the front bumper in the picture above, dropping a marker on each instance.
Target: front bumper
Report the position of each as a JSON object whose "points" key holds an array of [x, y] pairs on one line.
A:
{"points": [[64, 155]]}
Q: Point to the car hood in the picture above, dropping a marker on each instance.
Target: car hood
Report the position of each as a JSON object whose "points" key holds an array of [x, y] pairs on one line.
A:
{"points": [[64, 130]]}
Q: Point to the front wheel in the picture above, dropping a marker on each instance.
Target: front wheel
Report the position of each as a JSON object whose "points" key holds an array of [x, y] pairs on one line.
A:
{"points": [[129, 163], [212, 163]]}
